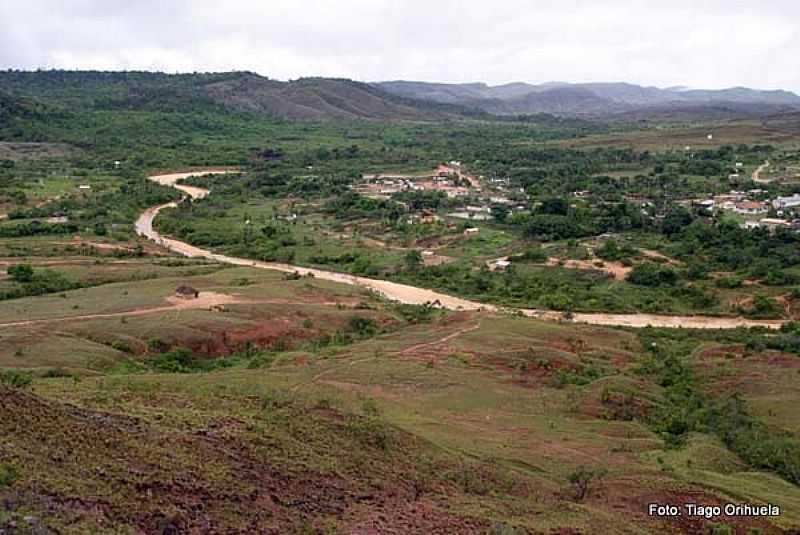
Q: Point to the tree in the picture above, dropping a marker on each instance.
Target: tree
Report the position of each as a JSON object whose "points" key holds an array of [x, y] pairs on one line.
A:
{"points": [[676, 219], [650, 274], [413, 259], [500, 212], [555, 206], [581, 479], [20, 273]]}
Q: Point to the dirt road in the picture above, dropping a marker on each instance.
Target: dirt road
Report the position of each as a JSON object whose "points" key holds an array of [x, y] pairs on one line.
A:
{"points": [[757, 174], [411, 294], [204, 300]]}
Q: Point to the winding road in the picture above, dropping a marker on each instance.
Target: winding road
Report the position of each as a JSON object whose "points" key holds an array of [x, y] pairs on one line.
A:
{"points": [[411, 294], [757, 174]]}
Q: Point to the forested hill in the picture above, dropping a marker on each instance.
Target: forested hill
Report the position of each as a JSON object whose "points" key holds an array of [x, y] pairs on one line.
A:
{"points": [[303, 99]]}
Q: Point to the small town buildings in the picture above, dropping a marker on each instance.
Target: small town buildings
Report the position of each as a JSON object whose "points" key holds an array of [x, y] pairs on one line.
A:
{"points": [[769, 223], [774, 223], [781, 203], [750, 208], [478, 209]]}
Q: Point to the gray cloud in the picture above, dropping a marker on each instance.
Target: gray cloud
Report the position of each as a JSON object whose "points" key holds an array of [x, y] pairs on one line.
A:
{"points": [[711, 43]]}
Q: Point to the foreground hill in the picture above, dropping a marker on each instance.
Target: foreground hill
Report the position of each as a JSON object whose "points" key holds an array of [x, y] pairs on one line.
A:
{"points": [[304, 99], [598, 99]]}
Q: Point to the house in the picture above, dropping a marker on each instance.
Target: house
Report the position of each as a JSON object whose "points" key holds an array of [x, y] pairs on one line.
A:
{"points": [[781, 203], [84, 186], [186, 292], [767, 222], [427, 253], [472, 231], [771, 222], [479, 209], [750, 208], [500, 265]]}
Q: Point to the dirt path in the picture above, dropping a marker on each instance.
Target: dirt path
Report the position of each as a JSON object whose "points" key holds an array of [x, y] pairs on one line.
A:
{"points": [[425, 345], [757, 174], [411, 294], [204, 300], [615, 269]]}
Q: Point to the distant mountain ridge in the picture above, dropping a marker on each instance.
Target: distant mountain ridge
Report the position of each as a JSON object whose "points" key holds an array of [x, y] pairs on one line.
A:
{"points": [[29, 92], [594, 99]]}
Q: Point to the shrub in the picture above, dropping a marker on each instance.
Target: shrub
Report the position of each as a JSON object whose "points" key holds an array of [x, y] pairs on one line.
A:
{"points": [[649, 274], [535, 255], [361, 326], [20, 273], [178, 360], [581, 481], [8, 474], [611, 250], [15, 379]]}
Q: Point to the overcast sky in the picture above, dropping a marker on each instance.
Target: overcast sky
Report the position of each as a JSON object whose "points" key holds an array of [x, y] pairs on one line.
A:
{"points": [[697, 43]]}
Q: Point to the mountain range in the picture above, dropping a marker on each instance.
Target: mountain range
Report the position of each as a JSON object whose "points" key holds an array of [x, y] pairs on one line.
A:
{"points": [[24, 92], [596, 99]]}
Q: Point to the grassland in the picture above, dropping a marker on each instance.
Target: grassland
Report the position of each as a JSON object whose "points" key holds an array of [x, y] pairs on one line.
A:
{"points": [[467, 422]]}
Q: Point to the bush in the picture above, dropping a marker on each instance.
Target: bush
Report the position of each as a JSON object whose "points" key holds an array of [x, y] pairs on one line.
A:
{"points": [[20, 273], [8, 474], [729, 282], [535, 255], [178, 360], [361, 326], [764, 307], [14, 379], [611, 250], [581, 481], [649, 274]]}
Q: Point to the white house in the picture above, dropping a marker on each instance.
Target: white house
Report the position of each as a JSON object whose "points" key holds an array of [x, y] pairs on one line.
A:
{"points": [[781, 203]]}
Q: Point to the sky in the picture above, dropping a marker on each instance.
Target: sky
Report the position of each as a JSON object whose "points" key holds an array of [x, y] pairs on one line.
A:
{"points": [[698, 43]]}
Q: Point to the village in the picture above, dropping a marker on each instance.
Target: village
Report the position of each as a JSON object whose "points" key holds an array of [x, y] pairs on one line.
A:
{"points": [[475, 196]]}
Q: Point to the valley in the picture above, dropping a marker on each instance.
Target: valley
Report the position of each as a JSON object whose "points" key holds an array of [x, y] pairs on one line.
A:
{"points": [[235, 305]]}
